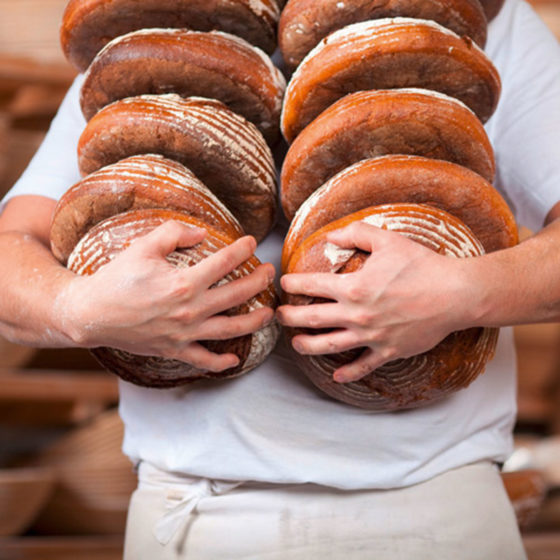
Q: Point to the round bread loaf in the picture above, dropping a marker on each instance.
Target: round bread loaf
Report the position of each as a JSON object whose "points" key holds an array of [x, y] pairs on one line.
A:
{"points": [[190, 63], [88, 25], [226, 152], [303, 23], [111, 236], [373, 123], [147, 181], [411, 179], [385, 54], [405, 383]]}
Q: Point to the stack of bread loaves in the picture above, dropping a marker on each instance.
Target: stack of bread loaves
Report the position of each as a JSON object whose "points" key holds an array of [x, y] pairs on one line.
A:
{"points": [[385, 119], [180, 102]]}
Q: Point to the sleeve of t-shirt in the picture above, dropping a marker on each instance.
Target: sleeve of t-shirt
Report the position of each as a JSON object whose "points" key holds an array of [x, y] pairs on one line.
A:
{"points": [[525, 130], [54, 167]]}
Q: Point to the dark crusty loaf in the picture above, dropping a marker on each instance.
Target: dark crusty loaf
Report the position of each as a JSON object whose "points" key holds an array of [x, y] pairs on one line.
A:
{"points": [[146, 181], [412, 179], [374, 123], [104, 241], [385, 54], [225, 151], [190, 63], [88, 25], [303, 23], [405, 383]]}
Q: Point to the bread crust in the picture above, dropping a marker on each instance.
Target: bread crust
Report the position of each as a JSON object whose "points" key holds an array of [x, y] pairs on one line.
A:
{"points": [[88, 25], [111, 236], [190, 63], [491, 8], [405, 383], [303, 23], [373, 123], [407, 179], [147, 181], [388, 54], [226, 152]]}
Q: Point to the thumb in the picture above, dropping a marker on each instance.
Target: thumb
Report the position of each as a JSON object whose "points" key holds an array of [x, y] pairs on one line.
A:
{"points": [[357, 236], [169, 236]]}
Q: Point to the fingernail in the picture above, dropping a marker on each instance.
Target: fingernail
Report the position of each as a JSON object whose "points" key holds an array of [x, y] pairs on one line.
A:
{"points": [[297, 346], [340, 378]]}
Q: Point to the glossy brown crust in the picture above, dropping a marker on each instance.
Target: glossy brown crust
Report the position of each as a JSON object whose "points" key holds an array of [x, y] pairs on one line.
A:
{"points": [[108, 238], [492, 8], [387, 54], [411, 179], [190, 63], [374, 123], [149, 181], [226, 152], [405, 383], [88, 25], [304, 23]]}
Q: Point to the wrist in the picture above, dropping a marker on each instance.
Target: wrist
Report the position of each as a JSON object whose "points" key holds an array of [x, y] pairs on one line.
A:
{"points": [[475, 293], [71, 312]]}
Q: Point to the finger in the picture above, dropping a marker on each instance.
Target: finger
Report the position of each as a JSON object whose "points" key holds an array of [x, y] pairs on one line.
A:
{"points": [[169, 236], [317, 284], [201, 358], [316, 316], [239, 291], [216, 266], [329, 343], [358, 235], [366, 363], [222, 327]]}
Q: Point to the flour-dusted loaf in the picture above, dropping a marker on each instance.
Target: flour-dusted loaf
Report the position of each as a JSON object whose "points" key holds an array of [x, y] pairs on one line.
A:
{"points": [[373, 123], [225, 151], [190, 63], [405, 383], [412, 179], [108, 238], [304, 23], [385, 54], [147, 181], [88, 25]]}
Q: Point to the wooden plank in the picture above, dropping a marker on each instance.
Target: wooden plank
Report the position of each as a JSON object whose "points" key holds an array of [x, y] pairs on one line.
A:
{"points": [[45, 385], [61, 548], [31, 28], [542, 546]]}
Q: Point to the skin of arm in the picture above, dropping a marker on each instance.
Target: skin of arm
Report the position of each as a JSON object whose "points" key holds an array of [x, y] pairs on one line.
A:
{"points": [[407, 298], [138, 302]]}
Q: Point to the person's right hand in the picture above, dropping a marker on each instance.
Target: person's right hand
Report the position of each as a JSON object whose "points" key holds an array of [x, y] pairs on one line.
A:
{"points": [[140, 303]]}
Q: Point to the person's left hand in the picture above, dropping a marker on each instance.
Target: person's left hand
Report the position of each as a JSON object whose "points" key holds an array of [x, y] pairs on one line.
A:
{"points": [[403, 301]]}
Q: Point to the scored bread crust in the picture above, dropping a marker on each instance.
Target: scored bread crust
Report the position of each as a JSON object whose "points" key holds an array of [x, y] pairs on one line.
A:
{"points": [[386, 54], [108, 238], [189, 63], [88, 25], [303, 23], [403, 383], [408, 179], [146, 181], [373, 123], [225, 151]]}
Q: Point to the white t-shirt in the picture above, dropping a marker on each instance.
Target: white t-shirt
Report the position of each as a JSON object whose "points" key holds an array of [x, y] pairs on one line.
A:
{"points": [[272, 424]]}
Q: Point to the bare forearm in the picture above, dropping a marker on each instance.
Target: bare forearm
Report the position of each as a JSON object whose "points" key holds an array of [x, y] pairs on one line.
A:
{"points": [[518, 285], [31, 283]]}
